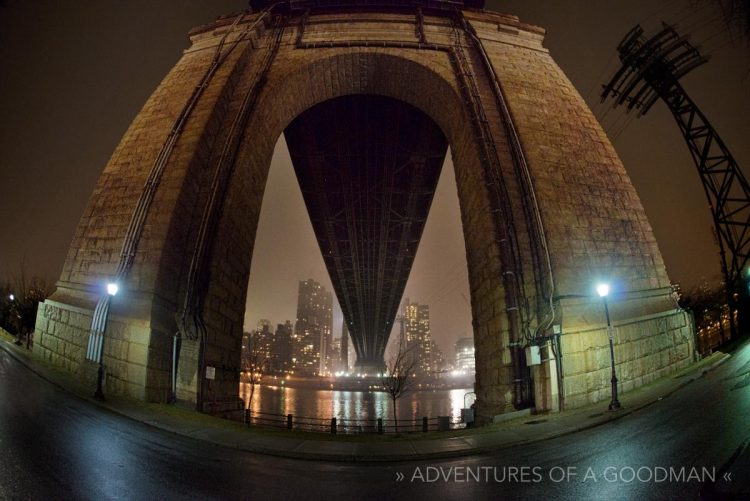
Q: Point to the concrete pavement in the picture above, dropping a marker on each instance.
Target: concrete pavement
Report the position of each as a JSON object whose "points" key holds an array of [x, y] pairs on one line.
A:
{"points": [[375, 448]]}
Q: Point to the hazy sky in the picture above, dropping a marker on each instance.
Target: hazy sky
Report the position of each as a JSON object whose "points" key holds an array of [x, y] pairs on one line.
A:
{"points": [[73, 75]]}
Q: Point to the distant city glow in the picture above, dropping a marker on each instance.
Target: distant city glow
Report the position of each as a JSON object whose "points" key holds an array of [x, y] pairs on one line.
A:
{"points": [[464, 361], [602, 290], [358, 374]]}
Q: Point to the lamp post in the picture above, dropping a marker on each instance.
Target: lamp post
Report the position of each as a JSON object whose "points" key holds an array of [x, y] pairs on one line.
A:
{"points": [[112, 289], [16, 319], [603, 291]]}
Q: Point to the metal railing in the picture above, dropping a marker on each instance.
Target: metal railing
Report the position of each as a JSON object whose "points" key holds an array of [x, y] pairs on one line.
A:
{"points": [[714, 334], [336, 425]]}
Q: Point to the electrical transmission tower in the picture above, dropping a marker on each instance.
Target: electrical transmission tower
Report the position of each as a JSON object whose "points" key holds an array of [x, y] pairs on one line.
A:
{"points": [[651, 69]]}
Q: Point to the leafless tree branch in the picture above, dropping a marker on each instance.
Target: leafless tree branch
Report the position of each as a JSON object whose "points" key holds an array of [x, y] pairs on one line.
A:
{"points": [[399, 377]]}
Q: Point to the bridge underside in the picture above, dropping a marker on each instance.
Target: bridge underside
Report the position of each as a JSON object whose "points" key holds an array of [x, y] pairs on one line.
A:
{"points": [[368, 167]]}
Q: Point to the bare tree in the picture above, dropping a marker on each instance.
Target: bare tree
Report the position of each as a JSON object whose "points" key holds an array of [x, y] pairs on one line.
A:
{"points": [[707, 302], [712, 314], [399, 377], [255, 363], [736, 14], [6, 305], [18, 314]]}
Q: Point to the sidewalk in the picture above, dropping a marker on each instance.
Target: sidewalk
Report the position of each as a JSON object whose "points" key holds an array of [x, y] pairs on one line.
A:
{"points": [[314, 446]]}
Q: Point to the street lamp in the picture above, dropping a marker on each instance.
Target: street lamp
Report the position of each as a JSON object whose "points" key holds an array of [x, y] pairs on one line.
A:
{"points": [[112, 289], [16, 318], [603, 290]]}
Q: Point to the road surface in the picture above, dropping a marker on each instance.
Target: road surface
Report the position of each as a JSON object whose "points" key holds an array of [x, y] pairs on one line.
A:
{"points": [[57, 446]]}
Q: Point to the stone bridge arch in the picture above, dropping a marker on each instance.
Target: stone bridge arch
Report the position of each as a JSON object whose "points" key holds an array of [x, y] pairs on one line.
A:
{"points": [[425, 81], [543, 197]]}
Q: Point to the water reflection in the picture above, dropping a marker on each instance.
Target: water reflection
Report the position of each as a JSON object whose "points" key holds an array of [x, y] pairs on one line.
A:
{"points": [[355, 405]]}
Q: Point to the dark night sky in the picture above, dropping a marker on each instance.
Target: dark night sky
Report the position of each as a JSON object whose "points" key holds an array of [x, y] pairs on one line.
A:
{"points": [[74, 75]]}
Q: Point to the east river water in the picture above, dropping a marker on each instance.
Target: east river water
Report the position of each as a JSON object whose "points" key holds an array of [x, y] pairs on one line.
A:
{"points": [[356, 405]]}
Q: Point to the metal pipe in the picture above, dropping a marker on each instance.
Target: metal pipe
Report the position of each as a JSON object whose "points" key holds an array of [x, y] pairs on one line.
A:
{"points": [[173, 396], [520, 161], [508, 246], [556, 344], [103, 314]]}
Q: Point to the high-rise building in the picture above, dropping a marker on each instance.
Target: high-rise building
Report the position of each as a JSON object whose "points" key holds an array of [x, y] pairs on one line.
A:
{"points": [[265, 340], [417, 334], [257, 347], [437, 359], [465, 355], [281, 351], [247, 346], [313, 329], [344, 349], [335, 355]]}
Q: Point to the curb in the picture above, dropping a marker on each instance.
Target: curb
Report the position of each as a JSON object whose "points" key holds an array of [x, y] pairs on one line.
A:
{"points": [[378, 458]]}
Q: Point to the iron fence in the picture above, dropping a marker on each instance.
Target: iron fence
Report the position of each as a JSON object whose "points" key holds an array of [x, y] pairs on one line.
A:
{"points": [[336, 425]]}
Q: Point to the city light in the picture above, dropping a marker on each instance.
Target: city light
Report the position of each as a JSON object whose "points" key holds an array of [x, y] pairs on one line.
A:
{"points": [[112, 288], [602, 290], [12, 297]]}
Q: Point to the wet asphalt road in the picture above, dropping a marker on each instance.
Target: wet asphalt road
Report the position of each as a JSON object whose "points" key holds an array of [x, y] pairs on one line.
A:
{"points": [[56, 446]]}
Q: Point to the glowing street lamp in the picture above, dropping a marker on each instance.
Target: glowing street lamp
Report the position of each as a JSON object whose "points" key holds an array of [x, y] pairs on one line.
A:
{"points": [[12, 297], [603, 290]]}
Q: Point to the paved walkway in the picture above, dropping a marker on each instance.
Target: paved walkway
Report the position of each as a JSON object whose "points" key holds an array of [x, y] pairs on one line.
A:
{"points": [[369, 447]]}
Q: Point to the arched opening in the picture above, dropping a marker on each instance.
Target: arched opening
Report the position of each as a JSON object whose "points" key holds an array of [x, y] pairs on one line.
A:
{"points": [[430, 98], [368, 167], [286, 254]]}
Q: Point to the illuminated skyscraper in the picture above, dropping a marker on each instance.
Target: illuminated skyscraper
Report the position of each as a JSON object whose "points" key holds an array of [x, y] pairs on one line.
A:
{"points": [[344, 349], [418, 339], [465, 355], [265, 340], [313, 329], [281, 358], [257, 347]]}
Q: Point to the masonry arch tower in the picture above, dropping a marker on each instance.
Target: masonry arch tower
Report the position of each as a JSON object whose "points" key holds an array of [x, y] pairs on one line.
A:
{"points": [[546, 205]]}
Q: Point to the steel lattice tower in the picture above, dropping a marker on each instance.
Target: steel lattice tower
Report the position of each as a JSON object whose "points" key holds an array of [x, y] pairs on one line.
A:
{"points": [[651, 69]]}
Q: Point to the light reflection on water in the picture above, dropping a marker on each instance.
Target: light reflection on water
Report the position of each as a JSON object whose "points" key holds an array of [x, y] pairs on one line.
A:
{"points": [[355, 405]]}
